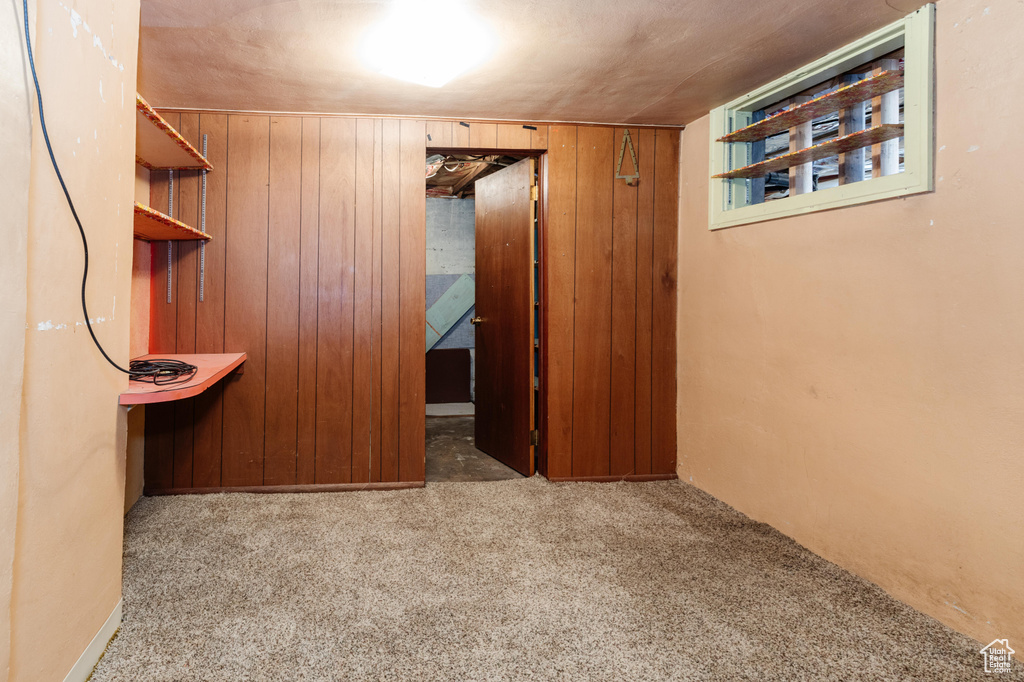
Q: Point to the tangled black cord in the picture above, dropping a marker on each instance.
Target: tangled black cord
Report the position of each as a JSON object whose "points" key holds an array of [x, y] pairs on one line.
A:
{"points": [[157, 371], [161, 371]]}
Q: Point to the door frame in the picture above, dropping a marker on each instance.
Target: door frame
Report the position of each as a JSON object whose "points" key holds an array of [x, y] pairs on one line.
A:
{"points": [[540, 453]]}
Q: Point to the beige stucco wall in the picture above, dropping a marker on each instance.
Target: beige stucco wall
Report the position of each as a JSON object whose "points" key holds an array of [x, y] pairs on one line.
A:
{"points": [[67, 558], [15, 150], [855, 378]]}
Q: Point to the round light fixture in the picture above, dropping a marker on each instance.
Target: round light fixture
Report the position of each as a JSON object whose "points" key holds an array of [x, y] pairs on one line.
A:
{"points": [[410, 43]]}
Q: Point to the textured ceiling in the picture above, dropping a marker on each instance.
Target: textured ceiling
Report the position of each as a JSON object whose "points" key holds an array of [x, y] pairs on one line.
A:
{"points": [[612, 61]]}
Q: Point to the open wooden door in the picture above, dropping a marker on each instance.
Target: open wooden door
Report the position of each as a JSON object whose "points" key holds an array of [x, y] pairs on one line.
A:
{"points": [[505, 209]]}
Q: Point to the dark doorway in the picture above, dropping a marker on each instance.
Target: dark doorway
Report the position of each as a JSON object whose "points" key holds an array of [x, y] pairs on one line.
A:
{"points": [[482, 270]]}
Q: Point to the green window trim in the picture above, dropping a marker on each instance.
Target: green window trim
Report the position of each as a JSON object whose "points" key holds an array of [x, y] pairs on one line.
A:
{"points": [[915, 33]]}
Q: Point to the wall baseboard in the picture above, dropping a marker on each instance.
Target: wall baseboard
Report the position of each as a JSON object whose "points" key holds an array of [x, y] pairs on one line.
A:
{"points": [[83, 668], [310, 488], [634, 478]]}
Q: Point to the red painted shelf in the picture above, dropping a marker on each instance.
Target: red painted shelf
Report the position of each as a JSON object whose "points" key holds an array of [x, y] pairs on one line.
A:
{"points": [[829, 103], [158, 146], [212, 368], [153, 226], [838, 145]]}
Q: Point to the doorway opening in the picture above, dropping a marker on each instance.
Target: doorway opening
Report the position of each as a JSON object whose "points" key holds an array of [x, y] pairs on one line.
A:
{"points": [[483, 286]]}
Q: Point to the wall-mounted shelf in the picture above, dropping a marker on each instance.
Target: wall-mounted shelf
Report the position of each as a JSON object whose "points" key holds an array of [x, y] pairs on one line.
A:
{"points": [[152, 225], [838, 145], [844, 97], [158, 146], [211, 369]]}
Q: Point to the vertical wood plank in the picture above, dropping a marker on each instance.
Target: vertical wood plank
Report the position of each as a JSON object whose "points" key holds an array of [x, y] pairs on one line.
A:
{"points": [[282, 339], [210, 312], [539, 138], [362, 382], [461, 134], [187, 209], [375, 297], [483, 135], [801, 178], [512, 136], [309, 262], [390, 300], [209, 405], [186, 300], [663, 330], [623, 309], [336, 301], [163, 316], [592, 344], [644, 288], [158, 462], [245, 297], [413, 261], [560, 227], [439, 133]]}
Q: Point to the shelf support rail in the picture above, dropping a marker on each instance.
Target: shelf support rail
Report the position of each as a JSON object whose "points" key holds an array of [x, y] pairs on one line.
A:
{"points": [[170, 213], [202, 228]]}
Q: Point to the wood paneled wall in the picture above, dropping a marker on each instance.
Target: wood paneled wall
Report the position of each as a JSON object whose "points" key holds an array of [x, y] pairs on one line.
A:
{"points": [[611, 302], [316, 269]]}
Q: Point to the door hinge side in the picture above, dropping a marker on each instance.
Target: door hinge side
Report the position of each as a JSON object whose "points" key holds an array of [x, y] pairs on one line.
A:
{"points": [[535, 437], [533, 193]]}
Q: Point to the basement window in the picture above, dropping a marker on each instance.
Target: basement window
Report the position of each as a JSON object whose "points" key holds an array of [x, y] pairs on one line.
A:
{"points": [[853, 127]]}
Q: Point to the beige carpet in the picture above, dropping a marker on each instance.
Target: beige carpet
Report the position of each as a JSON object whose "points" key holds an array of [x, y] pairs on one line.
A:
{"points": [[513, 580]]}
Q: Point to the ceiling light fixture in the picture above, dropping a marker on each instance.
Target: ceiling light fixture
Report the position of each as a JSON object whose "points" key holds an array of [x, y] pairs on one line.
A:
{"points": [[408, 43]]}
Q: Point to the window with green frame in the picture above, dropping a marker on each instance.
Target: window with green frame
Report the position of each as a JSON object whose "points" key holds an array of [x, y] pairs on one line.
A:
{"points": [[852, 127]]}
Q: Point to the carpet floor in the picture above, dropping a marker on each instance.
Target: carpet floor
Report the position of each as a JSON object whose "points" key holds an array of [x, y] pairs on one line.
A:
{"points": [[512, 580]]}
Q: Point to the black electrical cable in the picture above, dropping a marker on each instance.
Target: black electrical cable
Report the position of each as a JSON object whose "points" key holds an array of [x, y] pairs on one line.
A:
{"points": [[158, 371], [161, 371]]}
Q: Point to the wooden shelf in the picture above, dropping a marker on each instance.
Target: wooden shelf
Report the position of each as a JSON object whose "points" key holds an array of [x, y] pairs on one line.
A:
{"points": [[838, 145], [844, 97], [158, 146], [152, 225], [212, 368]]}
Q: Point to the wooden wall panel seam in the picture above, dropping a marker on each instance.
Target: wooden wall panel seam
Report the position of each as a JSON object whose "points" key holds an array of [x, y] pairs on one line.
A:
{"points": [[224, 289], [266, 304], [362, 313], [337, 242], [412, 306], [664, 333], [559, 256], [316, 343], [208, 415], [644, 278], [592, 359], [298, 326], [375, 307], [575, 293], [245, 301], [622, 443], [283, 282]]}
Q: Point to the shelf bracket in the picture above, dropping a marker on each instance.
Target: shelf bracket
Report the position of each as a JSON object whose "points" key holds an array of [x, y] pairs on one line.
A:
{"points": [[170, 213], [202, 228]]}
